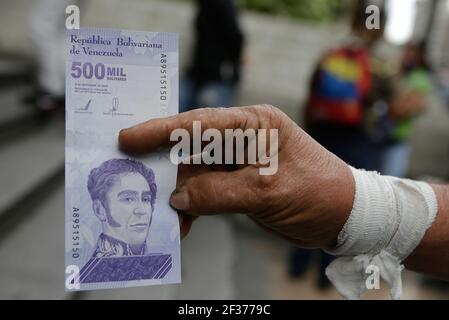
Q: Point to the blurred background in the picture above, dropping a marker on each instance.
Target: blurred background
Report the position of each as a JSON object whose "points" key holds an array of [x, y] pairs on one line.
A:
{"points": [[379, 99]]}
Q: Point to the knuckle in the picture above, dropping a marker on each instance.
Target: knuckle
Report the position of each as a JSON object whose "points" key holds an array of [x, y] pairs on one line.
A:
{"points": [[190, 184], [200, 190], [271, 116], [270, 110], [199, 114], [209, 117], [266, 186]]}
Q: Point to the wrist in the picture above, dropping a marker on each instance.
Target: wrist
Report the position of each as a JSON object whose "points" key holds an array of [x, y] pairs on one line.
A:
{"points": [[339, 199]]}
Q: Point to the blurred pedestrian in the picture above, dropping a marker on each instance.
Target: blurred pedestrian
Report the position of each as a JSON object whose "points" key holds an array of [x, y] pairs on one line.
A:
{"points": [[415, 84], [214, 74]]}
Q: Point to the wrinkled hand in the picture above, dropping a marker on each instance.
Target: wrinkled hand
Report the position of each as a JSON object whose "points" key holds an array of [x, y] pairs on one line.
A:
{"points": [[307, 201]]}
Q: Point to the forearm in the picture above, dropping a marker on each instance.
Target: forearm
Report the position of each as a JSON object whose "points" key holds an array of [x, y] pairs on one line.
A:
{"points": [[432, 255]]}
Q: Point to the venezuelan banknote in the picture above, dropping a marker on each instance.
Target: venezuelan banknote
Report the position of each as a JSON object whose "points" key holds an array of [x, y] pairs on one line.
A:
{"points": [[120, 229]]}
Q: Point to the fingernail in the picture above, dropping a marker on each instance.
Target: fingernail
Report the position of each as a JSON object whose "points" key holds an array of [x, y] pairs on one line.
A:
{"points": [[121, 139], [123, 131], [180, 200]]}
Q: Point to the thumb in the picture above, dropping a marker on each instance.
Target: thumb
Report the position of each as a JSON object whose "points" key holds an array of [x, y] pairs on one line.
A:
{"points": [[215, 192]]}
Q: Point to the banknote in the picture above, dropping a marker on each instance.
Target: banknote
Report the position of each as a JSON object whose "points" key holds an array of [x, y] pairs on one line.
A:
{"points": [[120, 229]]}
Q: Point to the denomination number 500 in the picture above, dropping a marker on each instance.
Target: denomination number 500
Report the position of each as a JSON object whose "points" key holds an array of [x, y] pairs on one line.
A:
{"points": [[87, 70]]}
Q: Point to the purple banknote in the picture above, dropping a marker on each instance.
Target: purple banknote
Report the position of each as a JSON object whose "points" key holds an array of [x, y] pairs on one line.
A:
{"points": [[120, 229]]}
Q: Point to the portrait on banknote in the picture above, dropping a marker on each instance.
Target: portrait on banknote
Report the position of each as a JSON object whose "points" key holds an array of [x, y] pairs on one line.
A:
{"points": [[123, 193]]}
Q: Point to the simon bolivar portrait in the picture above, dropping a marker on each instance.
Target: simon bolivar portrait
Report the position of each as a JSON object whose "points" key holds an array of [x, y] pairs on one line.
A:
{"points": [[123, 194]]}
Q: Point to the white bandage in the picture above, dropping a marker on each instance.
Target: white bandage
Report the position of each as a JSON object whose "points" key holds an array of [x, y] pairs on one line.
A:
{"points": [[388, 220]]}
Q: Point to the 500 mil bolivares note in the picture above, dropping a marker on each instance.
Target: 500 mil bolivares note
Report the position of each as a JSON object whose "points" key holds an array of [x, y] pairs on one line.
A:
{"points": [[120, 229]]}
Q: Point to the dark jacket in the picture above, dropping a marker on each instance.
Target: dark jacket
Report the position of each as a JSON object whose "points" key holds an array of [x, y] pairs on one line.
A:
{"points": [[219, 43]]}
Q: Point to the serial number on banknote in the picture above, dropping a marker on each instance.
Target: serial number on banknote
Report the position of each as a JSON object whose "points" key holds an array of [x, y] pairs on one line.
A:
{"points": [[163, 88], [75, 233]]}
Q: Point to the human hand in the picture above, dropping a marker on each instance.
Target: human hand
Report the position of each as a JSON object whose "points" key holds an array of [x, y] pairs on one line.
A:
{"points": [[307, 201]]}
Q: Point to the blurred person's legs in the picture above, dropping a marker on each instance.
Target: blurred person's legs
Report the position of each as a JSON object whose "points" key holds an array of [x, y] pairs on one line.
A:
{"points": [[395, 159], [325, 261], [216, 94], [299, 261], [209, 95], [47, 27]]}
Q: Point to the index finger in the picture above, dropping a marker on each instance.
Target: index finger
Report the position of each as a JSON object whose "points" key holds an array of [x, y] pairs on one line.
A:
{"points": [[153, 134]]}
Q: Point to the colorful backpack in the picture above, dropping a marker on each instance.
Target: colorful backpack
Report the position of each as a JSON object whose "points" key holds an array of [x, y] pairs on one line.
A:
{"points": [[339, 86]]}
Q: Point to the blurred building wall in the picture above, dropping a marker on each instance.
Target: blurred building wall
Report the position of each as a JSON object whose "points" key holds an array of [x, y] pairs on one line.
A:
{"points": [[438, 38]]}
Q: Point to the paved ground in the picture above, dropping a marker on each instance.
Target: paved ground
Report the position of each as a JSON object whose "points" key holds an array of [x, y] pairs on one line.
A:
{"points": [[223, 257]]}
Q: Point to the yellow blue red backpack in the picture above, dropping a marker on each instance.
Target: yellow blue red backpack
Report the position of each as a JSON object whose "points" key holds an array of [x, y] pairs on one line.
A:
{"points": [[340, 85]]}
